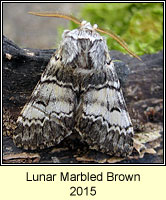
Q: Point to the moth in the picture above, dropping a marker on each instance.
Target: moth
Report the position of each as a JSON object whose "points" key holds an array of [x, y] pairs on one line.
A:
{"points": [[80, 92]]}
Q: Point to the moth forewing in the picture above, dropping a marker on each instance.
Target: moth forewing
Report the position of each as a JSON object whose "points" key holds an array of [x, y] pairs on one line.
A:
{"points": [[78, 92]]}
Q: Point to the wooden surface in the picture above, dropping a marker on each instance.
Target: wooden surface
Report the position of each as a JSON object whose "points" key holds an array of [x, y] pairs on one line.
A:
{"points": [[143, 92]]}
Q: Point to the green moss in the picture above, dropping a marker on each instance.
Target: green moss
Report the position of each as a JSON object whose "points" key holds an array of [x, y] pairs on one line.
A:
{"points": [[139, 24]]}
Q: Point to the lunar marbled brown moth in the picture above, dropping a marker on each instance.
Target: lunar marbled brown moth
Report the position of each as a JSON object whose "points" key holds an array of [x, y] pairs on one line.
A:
{"points": [[79, 91]]}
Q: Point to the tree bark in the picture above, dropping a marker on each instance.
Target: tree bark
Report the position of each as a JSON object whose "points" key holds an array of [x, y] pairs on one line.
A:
{"points": [[142, 88]]}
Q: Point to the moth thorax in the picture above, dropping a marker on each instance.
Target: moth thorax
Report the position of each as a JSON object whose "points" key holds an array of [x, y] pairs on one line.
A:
{"points": [[83, 48]]}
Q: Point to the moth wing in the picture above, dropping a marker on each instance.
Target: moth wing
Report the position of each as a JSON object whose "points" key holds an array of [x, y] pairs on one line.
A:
{"points": [[102, 119], [46, 119]]}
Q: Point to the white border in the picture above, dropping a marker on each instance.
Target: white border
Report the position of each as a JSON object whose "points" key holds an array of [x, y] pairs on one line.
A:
{"points": [[2, 95]]}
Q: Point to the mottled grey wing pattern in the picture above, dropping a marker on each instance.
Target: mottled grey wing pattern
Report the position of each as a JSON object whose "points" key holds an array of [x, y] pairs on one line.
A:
{"points": [[102, 119], [79, 91], [48, 117]]}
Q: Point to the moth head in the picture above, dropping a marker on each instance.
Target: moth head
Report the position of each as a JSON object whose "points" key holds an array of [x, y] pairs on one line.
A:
{"points": [[87, 25]]}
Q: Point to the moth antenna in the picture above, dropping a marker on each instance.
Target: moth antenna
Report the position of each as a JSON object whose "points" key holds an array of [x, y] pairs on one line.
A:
{"points": [[119, 40], [77, 21], [58, 15]]}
